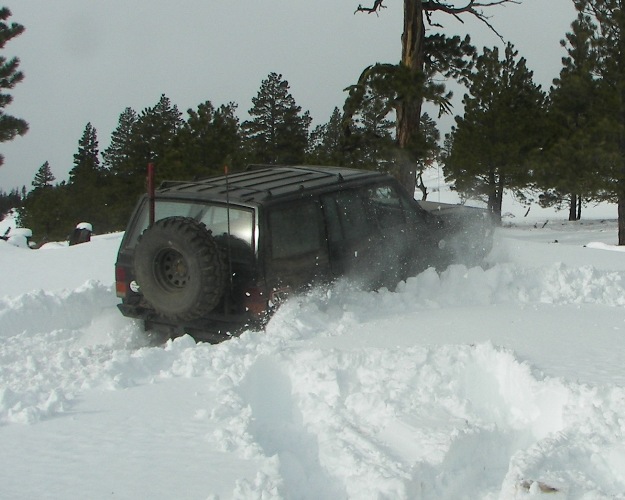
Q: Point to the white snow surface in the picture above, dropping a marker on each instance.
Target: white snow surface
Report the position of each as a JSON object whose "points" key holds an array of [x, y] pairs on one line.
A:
{"points": [[505, 381]]}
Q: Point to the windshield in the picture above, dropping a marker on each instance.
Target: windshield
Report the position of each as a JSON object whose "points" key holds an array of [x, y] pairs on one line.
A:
{"points": [[215, 217]]}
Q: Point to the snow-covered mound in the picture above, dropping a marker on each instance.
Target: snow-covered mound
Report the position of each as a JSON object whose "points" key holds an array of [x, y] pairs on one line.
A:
{"points": [[505, 381]]}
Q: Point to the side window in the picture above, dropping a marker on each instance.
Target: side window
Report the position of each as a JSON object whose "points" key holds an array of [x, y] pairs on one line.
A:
{"points": [[220, 219], [295, 230], [386, 205]]}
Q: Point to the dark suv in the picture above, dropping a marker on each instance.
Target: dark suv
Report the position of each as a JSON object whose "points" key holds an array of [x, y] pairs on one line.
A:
{"points": [[222, 253]]}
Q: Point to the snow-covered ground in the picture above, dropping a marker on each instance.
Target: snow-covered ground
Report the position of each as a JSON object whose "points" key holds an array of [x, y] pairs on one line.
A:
{"points": [[500, 382]]}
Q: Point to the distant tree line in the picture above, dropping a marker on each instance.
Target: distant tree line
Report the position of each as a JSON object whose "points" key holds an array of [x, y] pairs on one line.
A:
{"points": [[103, 186], [12, 199]]}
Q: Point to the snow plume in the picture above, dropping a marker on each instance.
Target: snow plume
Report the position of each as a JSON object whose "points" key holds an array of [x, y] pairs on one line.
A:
{"points": [[456, 286]]}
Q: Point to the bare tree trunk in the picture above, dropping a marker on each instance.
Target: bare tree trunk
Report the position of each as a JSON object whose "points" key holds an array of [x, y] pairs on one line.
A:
{"points": [[422, 187], [495, 197], [620, 74], [497, 212], [621, 217], [620, 185], [573, 207], [409, 111]]}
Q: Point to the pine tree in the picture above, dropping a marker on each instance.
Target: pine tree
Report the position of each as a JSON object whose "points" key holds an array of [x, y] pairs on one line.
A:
{"points": [[502, 123], [43, 177], [278, 131], [138, 140], [124, 169], [86, 187], [404, 87], [327, 142], [423, 55], [86, 170], [571, 164], [10, 127], [155, 132], [369, 140], [117, 157], [50, 213], [608, 44], [9, 201], [43, 210], [210, 139]]}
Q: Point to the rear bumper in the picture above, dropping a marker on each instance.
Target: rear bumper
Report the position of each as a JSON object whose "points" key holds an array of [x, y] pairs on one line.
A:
{"points": [[214, 329]]}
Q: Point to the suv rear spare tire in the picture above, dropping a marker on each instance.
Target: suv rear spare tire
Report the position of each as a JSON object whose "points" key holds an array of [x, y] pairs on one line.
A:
{"points": [[179, 269]]}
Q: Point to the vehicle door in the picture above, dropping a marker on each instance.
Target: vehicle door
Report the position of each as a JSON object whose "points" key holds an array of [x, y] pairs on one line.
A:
{"points": [[400, 230], [353, 236], [297, 253], [371, 236]]}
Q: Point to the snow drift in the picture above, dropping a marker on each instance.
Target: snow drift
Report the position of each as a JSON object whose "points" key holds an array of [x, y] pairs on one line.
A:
{"points": [[502, 381]]}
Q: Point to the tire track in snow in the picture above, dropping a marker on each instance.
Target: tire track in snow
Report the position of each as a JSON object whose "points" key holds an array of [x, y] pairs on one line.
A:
{"points": [[366, 422], [440, 422]]}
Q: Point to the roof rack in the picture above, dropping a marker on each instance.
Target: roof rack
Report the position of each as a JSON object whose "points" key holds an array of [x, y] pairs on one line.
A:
{"points": [[259, 182]]}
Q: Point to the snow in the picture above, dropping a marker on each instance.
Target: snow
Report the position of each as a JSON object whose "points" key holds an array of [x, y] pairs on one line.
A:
{"points": [[505, 381]]}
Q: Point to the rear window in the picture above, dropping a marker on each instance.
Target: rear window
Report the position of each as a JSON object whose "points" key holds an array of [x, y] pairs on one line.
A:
{"points": [[215, 217]]}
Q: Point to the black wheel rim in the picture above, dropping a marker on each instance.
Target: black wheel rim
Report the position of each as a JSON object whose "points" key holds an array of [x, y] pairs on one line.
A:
{"points": [[171, 270]]}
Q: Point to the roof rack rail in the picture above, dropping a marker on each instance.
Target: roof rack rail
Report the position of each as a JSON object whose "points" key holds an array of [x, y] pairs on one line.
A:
{"points": [[261, 166], [166, 184]]}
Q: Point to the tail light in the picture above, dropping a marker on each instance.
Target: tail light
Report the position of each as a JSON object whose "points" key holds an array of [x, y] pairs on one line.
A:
{"points": [[256, 301], [121, 283]]}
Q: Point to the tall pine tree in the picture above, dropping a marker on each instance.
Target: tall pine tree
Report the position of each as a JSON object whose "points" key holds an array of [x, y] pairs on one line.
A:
{"points": [[150, 137], [48, 210], [10, 127], [209, 139], [118, 156], [277, 132], [86, 170], [501, 126], [89, 198], [570, 166], [155, 132], [44, 177], [608, 44], [423, 55]]}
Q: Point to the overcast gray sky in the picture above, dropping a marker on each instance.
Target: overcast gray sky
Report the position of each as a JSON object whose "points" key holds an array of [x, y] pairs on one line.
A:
{"points": [[86, 61]]}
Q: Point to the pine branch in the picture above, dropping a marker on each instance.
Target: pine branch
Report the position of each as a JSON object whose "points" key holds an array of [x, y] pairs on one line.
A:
{"points": [[377, 5], [470, 8], [473, 7]]}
